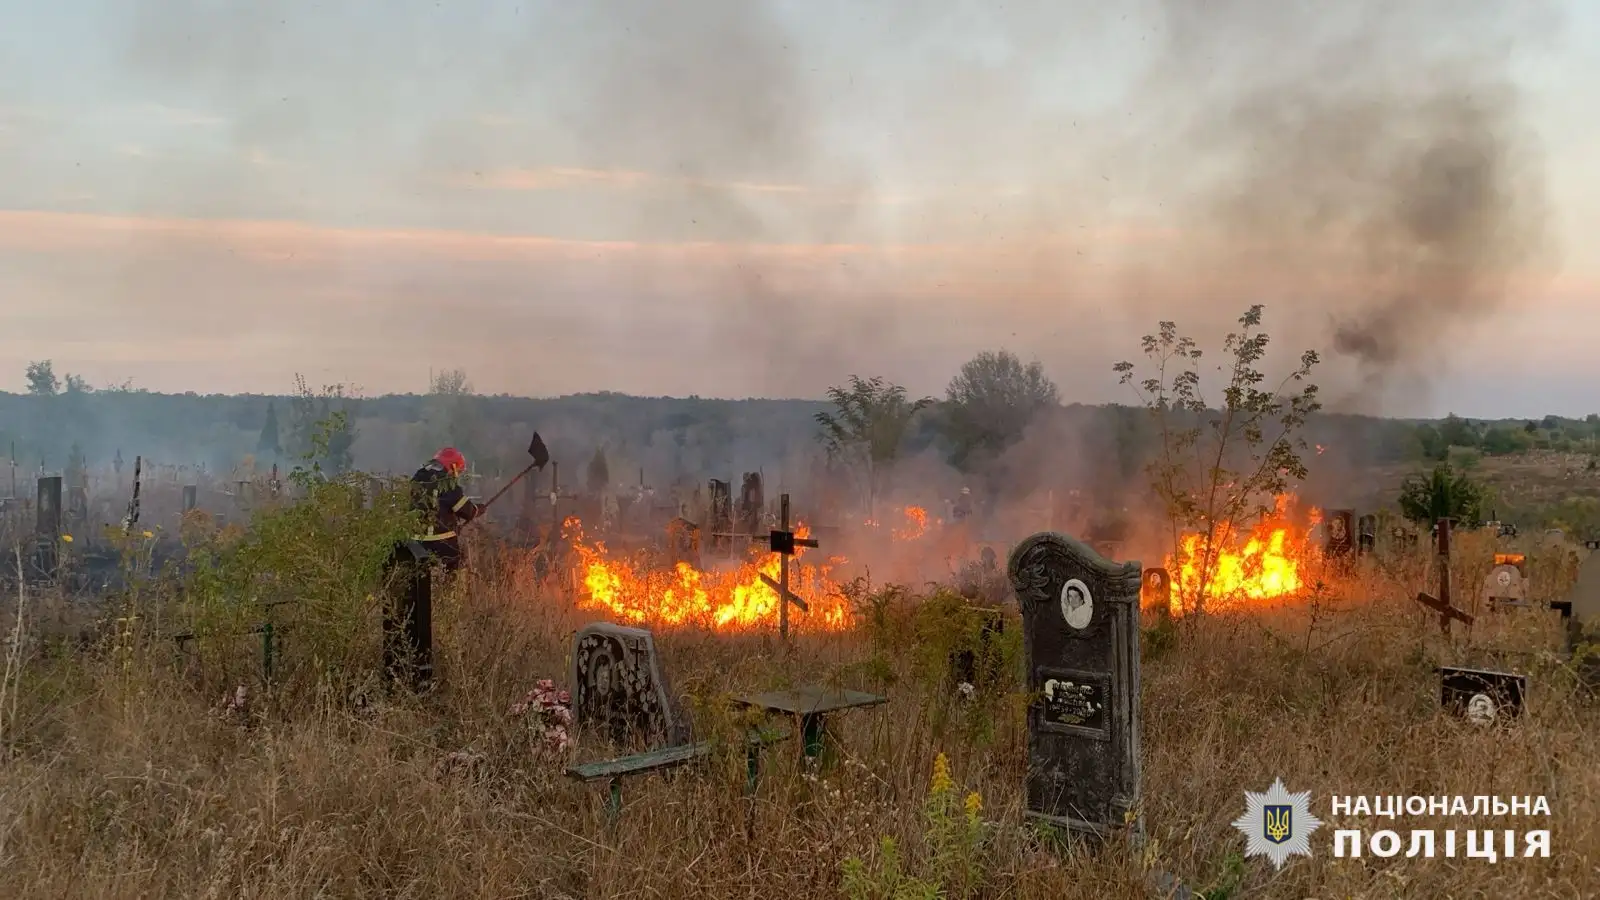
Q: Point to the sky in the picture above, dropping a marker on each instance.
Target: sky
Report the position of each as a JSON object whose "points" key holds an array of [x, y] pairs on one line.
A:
{"points": [[742, 198]]}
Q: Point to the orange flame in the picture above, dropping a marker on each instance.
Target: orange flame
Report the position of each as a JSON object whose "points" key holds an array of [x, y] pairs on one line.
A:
{"points": [[683, 595], [1267, 563], [916, 524]]}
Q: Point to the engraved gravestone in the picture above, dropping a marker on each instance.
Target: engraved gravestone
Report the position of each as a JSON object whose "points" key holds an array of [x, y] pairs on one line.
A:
{"points": [[619, 689], [1504, 586], [1080, 621]]}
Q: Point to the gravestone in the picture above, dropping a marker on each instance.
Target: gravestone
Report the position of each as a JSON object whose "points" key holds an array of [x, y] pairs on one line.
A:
{"points": [[721, 516], [752, 502], [683, 542], [1367, 534], [47, 528], [190, 497], [1080, 620], [1341, 524], [1482, 696], [1504, 586], [1155, 592], [1584, 595], [619, 689]]}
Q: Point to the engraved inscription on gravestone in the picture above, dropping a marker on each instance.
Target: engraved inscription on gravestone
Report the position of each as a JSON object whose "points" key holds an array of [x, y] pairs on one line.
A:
{"points": [[1080, 616], [1076, 700], [619, 690]]}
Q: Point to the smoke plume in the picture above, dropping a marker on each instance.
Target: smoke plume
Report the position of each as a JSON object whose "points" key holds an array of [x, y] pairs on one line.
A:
{"points": [[1057, 175], [1367, 167]]}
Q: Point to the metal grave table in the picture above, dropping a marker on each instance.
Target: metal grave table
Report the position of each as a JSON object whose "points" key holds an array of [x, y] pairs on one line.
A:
{"points": [[811, 704]]}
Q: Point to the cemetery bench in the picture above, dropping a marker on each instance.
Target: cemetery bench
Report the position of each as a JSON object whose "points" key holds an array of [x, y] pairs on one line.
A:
{"points": [[612, 771], [811, 704]]}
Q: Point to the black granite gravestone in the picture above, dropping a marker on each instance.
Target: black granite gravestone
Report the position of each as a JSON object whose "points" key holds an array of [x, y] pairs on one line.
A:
{"points": [[1482, 696], [1080, 619], [1367, 534], [47, 528], [752, 503], [721, 516], [619, 690]]}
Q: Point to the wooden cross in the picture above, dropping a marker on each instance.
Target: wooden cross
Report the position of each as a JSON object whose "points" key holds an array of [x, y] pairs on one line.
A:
{"points": [[1441, 604], [784, 543]]}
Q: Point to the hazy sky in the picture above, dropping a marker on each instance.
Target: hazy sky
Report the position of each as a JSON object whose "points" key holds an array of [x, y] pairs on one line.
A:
{"points": [[732, 198]]}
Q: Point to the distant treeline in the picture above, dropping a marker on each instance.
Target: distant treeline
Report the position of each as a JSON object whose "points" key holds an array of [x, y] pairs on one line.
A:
{"points": [[693, 434], [61, 425]]}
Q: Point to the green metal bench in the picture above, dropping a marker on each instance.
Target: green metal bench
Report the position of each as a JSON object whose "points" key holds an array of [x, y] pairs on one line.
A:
{"points": [[612, 771]]}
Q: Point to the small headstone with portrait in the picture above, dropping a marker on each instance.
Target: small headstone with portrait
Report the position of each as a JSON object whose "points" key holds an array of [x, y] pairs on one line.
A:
{"points": [[1504, 588], [620, 689], [1155, 592], [1080, 620], [1340, 530], [1480, 695]]}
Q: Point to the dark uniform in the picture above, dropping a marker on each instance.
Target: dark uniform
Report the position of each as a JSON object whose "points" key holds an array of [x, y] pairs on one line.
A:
{"points": [[408, 622], [437, 494]]}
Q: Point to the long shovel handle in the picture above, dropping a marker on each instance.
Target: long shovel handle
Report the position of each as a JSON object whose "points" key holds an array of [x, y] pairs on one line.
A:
{"points": [[498, 494]]}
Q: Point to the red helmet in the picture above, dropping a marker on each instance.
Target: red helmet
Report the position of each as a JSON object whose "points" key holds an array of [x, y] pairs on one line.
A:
{"points": [[452, 460]]}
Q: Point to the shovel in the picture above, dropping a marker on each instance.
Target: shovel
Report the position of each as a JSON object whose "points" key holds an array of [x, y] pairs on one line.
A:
{"points": [[541, 456]]}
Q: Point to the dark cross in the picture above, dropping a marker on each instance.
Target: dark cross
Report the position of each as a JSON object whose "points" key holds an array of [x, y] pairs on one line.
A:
{"points": [[133, 505], [1441, 604], [784, 543]]}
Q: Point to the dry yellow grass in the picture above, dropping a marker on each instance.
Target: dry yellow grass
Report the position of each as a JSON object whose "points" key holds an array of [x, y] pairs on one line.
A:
{"points": [[121, 781]]}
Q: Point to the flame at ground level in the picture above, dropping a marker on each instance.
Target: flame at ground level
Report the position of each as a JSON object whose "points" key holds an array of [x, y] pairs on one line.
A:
{"points": [[736, 600], [1269, 562]]}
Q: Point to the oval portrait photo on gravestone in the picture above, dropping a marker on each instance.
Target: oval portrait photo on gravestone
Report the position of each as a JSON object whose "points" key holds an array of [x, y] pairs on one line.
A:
{"points": [[1077, 605]]}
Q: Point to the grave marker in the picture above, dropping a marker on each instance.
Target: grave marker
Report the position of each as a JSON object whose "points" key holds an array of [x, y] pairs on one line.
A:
{"points": [[1584, 597], [785, 544], [1156, 591], [752, 503], [1341, 524], [190, 497], [619, 688], [1367, 534], [1441, 604], [1080, 619], [47, 528], [1481, 696], [721, 515], [683, 542], [1504, 586]]}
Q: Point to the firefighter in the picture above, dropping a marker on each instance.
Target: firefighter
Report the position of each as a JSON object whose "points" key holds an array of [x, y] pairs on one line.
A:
{"points": [[436, 493], [408, 618]]}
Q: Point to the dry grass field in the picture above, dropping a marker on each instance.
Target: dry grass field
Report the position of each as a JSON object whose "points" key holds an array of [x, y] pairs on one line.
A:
{"points": [[121, 777]]}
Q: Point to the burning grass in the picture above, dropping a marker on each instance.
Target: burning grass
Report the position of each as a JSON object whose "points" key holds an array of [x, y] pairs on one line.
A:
{"points": [[737, 599], [122, 780], [1274, 560]]}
